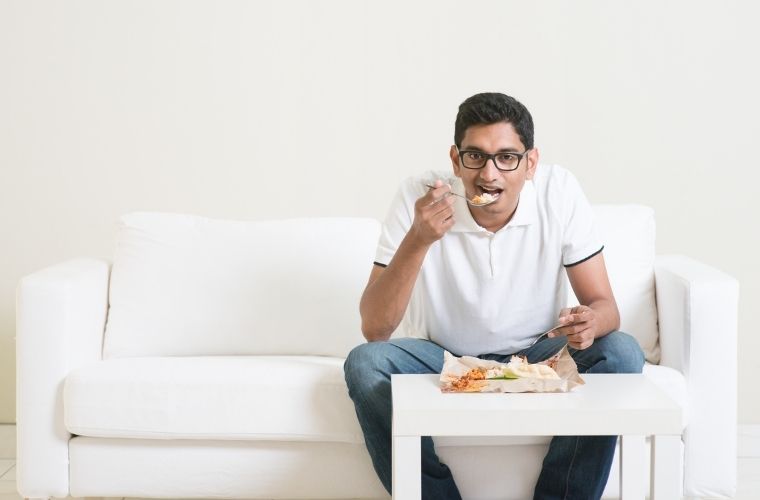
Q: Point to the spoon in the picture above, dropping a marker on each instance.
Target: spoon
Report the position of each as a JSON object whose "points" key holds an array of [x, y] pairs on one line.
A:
{"points": [[471, 202], [547, 332]]}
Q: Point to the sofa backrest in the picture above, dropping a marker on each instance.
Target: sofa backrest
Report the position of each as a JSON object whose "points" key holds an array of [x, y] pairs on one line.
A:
{"points": [[628, 234], [184, 285]]}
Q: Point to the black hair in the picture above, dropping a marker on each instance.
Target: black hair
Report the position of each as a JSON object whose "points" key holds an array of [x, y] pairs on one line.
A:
{"points": [[493, 107]]}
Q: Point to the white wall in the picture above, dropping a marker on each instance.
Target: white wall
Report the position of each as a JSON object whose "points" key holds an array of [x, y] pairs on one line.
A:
{"points": [[224, 108]]}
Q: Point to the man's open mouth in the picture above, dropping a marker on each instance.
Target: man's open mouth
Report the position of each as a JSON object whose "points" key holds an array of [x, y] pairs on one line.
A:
{"points": [[493, 192]]}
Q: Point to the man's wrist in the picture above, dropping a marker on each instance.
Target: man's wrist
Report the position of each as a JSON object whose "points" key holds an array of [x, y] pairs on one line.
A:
{"points": [[415, 243]]}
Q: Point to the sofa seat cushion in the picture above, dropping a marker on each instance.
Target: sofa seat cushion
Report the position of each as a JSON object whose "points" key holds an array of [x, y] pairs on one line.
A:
{"points": [[673, 383], [292, 398]]}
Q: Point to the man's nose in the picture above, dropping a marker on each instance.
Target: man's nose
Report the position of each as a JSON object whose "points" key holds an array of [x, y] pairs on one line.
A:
{"points": [[489, 172]]}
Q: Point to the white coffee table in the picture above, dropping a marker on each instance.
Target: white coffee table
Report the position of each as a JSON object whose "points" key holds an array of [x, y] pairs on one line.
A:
{"points": [[627, 405]]}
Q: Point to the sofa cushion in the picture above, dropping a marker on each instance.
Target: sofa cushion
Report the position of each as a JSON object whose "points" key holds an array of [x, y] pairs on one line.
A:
{"points": [[628, 233], [291, 398], [184, 285], [285, 398]]}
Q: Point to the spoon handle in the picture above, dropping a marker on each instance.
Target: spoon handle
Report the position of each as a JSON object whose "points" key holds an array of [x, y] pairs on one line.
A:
{"points": [[547, 332], [450, 192]]}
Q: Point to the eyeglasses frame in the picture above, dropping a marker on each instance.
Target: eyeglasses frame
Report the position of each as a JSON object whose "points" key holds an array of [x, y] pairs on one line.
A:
{"points": [[492, 157]]}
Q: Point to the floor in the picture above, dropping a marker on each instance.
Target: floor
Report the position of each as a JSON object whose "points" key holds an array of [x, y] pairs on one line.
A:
{"points": [[8, 480], [748, 468]]}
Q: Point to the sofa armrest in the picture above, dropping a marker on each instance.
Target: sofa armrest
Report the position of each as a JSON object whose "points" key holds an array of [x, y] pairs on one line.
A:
{"points": [[60, 319], [697, 309]]}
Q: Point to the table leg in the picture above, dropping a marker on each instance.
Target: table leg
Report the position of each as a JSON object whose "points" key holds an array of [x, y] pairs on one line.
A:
{"points": [[666, 467], [632, 461], [407, 468]]}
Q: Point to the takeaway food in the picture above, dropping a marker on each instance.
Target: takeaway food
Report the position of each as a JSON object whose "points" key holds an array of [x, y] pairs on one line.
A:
{"points": [[558, 373], [518, 367]]}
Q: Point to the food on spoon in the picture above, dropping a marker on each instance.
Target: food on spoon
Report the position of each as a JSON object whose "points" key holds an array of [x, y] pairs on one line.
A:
{"points": [[483, 199]]}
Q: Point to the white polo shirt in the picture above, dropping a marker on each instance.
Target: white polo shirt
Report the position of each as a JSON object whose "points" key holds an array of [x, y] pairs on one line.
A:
{"points": [[481, 292]]}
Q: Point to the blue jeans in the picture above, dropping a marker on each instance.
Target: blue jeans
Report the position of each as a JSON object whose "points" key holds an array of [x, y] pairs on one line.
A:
{"points": [[575, 467]]}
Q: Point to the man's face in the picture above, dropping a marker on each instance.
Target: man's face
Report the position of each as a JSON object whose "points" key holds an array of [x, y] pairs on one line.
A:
{"points": [[494, 138]]}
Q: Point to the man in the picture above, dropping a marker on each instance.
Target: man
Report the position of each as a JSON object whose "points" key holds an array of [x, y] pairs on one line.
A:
{"points": [[486, 281]]}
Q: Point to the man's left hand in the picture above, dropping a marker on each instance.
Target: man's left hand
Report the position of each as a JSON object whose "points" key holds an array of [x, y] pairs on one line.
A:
{"points": [[580, 326]]}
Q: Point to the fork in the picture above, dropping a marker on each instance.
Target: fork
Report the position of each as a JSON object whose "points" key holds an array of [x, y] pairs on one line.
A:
{"points": [[466, 198]]}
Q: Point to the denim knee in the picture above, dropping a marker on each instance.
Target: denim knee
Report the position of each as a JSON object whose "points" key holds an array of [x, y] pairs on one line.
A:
{"points": [[364, 362], [622, 352]]}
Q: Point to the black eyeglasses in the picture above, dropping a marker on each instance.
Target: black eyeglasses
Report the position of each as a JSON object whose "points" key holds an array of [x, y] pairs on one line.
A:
{"points": [[506, 162]]}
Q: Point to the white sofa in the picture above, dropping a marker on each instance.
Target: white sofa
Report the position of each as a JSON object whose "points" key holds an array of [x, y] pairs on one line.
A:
{"points": [[206, 362]]}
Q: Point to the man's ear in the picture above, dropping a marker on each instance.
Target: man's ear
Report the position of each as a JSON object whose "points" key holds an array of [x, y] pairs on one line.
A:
{"points": [[454, 155], [532, 163]]}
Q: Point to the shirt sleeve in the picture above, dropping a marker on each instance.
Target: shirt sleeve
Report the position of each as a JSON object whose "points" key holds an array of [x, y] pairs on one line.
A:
{"points": [[397, 223], [580, 239]]}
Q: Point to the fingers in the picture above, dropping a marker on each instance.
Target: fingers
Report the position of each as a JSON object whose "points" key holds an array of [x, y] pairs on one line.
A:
{"points": [[574, 316], [436, 206], [578, 329], [579, 335], [434, 213], [572, 325], [437, 193], [581, 340]]}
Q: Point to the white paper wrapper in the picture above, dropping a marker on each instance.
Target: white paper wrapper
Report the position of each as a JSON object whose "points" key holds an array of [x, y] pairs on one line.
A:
{"points": [[454, 368]]}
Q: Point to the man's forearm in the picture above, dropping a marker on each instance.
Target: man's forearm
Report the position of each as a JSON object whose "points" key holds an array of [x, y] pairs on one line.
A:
{"points": [[385, 300]]}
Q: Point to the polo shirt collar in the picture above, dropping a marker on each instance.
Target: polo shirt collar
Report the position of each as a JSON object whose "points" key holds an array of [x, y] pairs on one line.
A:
{"points": [[525, 214]]}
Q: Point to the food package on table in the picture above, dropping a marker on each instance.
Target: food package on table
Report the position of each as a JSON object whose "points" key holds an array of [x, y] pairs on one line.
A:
{"points": [[559, 373]]}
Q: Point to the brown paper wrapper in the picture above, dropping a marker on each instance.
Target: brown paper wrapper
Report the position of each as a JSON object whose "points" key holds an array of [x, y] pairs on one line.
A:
{"points": [[454, 368]]}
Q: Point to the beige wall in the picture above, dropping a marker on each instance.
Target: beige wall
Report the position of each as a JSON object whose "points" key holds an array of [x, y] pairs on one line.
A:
{"points": [[224, 108]]}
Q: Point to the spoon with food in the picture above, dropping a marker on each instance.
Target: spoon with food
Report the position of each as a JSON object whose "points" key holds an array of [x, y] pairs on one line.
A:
{"points": [[479, 200]]}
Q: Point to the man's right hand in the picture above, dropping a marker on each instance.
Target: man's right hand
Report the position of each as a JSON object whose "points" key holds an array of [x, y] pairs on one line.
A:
{"points": [[433, 214]]}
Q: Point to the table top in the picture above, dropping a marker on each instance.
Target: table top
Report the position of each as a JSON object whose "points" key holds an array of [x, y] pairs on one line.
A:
{"points": [[608, 404]]}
